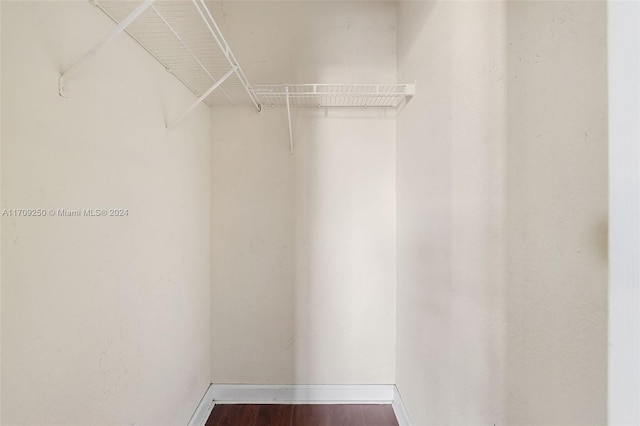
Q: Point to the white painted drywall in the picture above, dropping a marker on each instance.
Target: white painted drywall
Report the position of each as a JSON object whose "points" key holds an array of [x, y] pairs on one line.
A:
{"points": [[303, 246], [502, 213], [450, 166], [104, 320], [624, 211], [557, 197]]}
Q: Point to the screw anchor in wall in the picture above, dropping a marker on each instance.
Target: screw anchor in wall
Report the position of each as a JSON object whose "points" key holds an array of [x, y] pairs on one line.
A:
{"points": [[63, 89]]}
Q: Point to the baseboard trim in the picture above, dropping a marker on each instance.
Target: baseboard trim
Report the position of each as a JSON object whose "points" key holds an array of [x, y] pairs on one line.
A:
{"points": [[299, 394], [399, 409], [303, 394], [203, 411]]}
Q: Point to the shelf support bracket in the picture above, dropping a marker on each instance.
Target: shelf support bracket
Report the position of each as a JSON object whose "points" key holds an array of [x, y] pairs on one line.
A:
{"points": [[286, 89], [63, 88], [204, 96]]}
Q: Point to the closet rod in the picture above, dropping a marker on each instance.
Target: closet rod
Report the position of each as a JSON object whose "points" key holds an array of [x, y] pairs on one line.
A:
{"points": [[63, 88]]}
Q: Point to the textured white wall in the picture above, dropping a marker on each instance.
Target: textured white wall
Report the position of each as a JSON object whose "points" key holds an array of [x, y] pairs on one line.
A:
{"points": [[104, 320], [502, 172], [504, 146], [450, 165], [557, 213], [303, 249]]}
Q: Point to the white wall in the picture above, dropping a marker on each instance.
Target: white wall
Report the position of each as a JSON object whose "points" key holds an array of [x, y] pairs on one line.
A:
{"points": [[501, 205], [502, 211], [450, 161], [303, 249], [104, 320], [557, 213], [624, 210]]}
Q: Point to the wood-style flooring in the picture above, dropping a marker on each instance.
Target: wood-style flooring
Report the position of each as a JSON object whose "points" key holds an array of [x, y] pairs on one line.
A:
{"points": [[301, 415]]}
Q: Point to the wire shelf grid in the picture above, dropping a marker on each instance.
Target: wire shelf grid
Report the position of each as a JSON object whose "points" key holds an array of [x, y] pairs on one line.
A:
{"points": [[334, 95], [184, 37]]}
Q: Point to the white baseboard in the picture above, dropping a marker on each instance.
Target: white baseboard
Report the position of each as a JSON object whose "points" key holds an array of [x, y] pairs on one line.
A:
{"points": [[202, 413], [399, 409], [300, 394], [303, 394]]}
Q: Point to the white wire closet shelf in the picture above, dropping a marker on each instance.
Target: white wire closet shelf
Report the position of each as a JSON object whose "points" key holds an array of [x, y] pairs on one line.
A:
{"points": [[185, 39], [334, 95]]}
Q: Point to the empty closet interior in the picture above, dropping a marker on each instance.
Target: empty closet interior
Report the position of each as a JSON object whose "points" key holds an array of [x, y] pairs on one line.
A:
{"points": [[327, 196]]}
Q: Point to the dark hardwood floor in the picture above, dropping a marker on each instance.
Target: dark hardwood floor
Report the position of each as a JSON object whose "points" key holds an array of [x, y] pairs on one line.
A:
{"points": [[302, 415]]}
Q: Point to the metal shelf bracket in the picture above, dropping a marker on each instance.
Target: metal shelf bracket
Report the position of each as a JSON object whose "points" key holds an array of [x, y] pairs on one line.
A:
{"points": [[204, 96], [323, 95], [63, 88], [286, 89]]}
